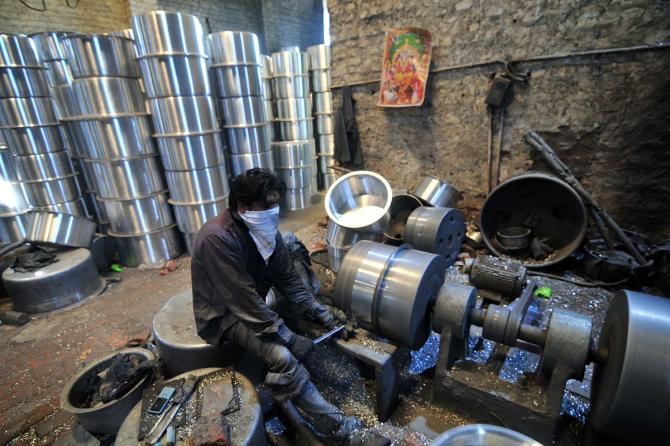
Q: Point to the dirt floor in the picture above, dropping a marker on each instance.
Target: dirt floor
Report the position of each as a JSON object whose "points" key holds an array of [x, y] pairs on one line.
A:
{"points": [[39, 358]]}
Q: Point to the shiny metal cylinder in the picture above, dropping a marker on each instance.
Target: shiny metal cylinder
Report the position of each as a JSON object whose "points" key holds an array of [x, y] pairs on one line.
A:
{"points": [[49, 45], [191, 217], [17, 50], [97, 55], [325, 145], [325, 180], [74, 207], [127, 178], [27, 112], [296, 199], [66, 101], [242, 162], [297, 177], [12, 197], [293, 109], [324, 162], [34, 140], [249, 139], [335, 257], [323, 103], [344, 238], [15, 227], [101, 96], [22, 82], [321, 81], [435, 191], [402, 206], [152, 248], [243, 111], [144, 214], [175, 75], [436, 230], [194, 186], [288, 63], [234, 48], [237, 80], [286, 87], [183, 115], [266, 65], [8, 171], [319, 57], [266, 88], [61, 229], [295, 129], [44, 166], [325, 124], [290, 154], [56, 190], [196, 151], [162, 33], [58, 72]]}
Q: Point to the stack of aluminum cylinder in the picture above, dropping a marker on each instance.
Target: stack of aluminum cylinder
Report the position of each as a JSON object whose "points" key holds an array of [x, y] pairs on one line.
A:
{"points": [[236, 71], [173, 61], [295, 135], [29, 121], [266, 69], [110, 127], [14, 208], [324, 120]]}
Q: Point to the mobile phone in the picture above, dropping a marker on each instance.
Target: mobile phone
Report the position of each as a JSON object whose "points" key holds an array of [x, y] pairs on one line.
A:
{"points": [[161, 401]]}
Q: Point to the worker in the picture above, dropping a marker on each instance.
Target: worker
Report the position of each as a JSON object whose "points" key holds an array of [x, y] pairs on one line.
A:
{"points": [[237, 256]]}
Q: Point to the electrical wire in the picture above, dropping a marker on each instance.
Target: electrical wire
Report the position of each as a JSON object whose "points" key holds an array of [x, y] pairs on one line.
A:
{"points": [[44, 6]]}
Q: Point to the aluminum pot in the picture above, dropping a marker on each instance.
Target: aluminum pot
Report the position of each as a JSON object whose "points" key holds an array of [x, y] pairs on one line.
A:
{"points": [[66, 101], [183, 115], [143, 214], [234, 48], [237, 80], [21, 82], [242, 162], [286, 87], [13, 198], [344, 238], [266, 89], [326, 145], [321, 81], [49, 45], [297, 177], [325, 180], [34, 140], [61, 229], [325, 124], [175, 75], [14, 227], [8, 170], [151, 248], [288, 154], [360, 200], [97, 55], [190, 152], [266, 64], [44, 166], [296, 199], [17, 50], [292, 109], [191, 217], [401, 207], [243, 111], [27, 112], [483, 435], [109, 96], [52, 191], [335, 257], [325, 162], [269, 109], [162, 33], [435, 191], [319, 56], [193, 186], [248, 139], [74, 207], [295, 129], [288, 63], [58, 72], [323, 103], [127, 178]]}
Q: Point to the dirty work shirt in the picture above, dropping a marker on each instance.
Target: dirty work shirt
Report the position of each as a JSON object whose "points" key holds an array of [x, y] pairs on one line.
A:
{"points": [[230, 280]]}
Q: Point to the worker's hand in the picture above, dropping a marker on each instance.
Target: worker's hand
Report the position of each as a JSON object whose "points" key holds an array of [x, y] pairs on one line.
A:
{"points": [[300, 346]]}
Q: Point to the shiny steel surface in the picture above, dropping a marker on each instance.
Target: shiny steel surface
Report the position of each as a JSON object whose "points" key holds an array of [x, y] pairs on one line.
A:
{"points": [[66, 101], [23, 82], [344, 238], [192, 151], [319, 56], [483, 435], [292, 109], [12, 198], [61, 229], [100, 55], [266, 88], [335, 257], [242, 162], [402, 206], [194, 186], [296, 199], [127, 178], [325, 180], [436, 230], [286, 87], [153, 248], [15, 227], [435, 191], [296, 177], [325, 145], [323, 103], [191, 217], [630, 397], [58, 190], [266, 64], [75, 207], [108, 95], [287, 63], [289, 154], [270, 110], [49, 45], [34, 140], [8, 170], [237, 80], [234, 48], [44, 166], [183, 115], [113, 137], [321, 80], [17, 50], [360, 200], [58, 72], [324, 162], [144, 214], [243, 111], [27, 112], [175, 75], [162, 32], [325, 124], [296, 129], [251, 139]]}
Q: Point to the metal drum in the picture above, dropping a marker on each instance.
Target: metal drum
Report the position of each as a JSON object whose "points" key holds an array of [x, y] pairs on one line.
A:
{"points": [[151, 248], [23, 82], [325, 124], [435, 192], [248, 139], [321, 80], [74, 207], [326, 145], [391, 295], [191, 217], [183, 115], [61, 229], [96, 55], [290, 63], [436, 230], [296, 129], [292, 109], [193, 186], [44, 166], [14, 227], [66, 101], [188, 152], [27, 112], [72, 278], [109, 96], [137, 215], [401, 207], [175, 75], [323, 103], [296, 199], [127, 178], [319, 57], [286, 87], [234, 48], [243, 111], [58, 72], [237, 80], [54, 190], [17, 50], [49, 45], [289, 154], [162, 33], [12, 198], [34, 140], [296, 177], [243, 162]]}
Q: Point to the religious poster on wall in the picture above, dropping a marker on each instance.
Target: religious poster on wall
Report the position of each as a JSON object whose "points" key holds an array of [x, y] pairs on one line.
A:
{"points": [[405, 67]]}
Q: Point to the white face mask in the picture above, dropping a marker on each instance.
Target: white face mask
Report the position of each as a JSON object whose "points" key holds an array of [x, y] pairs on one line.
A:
{"points": [[263, 227]]}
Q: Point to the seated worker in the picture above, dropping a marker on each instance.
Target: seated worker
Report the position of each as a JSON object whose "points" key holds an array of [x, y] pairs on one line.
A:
{"points": [[237, 256]]}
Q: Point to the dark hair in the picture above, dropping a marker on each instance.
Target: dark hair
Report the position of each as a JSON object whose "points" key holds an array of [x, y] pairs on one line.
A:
{"points": [[256, 185]]}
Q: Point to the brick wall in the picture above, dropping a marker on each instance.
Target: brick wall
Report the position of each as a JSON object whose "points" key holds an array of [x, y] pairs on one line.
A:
{"points": [[608, 116], [292, 22]]}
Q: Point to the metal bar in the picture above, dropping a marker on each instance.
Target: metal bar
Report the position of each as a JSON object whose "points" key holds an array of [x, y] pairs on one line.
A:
{"points": [[328, 335]]}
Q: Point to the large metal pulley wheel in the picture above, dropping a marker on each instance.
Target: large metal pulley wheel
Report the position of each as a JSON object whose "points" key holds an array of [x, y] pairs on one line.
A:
{"points": [[436, 230]]}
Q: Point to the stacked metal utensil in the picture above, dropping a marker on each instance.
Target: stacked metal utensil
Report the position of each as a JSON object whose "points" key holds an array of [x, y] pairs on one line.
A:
{"points": [[291, 93], [110, 128], [266, 88], [14, 207], [173, 62], [324, 120], [236, 71], [29, 121]]}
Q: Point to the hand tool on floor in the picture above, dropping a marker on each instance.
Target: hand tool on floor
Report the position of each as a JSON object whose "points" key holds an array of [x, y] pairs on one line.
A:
{"points": [[164, 421], [328, 335]]}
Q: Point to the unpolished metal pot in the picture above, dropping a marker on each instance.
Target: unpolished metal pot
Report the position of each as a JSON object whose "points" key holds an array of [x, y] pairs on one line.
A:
{"points": [[242, 162], [325, 124], [151, 248], [193, 186], [27, 112], [97, 55], [17, 50], [319, 56], [243, 111], [60, 229], [289, 154], [163, 32], [44, 166], [295, 129], [74, 207], [234, 48], [286, 87], [175, 75], [144, 214], [401, 207], [191, 217], [237, 80], [58, 72], [183, 115], [189, 152], [14, 227], [127, 178], [435, 191], [54, 190], [287, 63], [296, 199], [100, 96], [323, 103], [291, 109], [21, 82], [248, 139], [34, 140], [297, 177], [49, 45], [320, 80], [325, 145]]}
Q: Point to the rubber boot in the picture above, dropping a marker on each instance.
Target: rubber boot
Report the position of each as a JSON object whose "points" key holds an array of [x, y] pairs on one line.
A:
{"points": [[328, 420]]}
